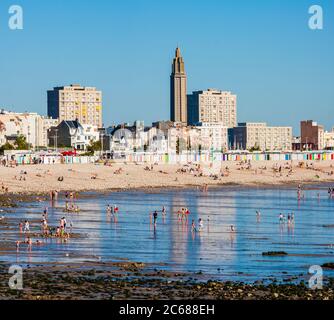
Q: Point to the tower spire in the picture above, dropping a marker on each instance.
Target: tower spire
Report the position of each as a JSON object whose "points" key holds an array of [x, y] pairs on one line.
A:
{"points": [[179, 89]]}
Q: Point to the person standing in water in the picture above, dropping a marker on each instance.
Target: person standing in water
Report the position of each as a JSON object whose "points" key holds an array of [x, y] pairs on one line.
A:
{"points": [[193, 226], [200, 225], [281, 218], [155, 218], [26, 227]]}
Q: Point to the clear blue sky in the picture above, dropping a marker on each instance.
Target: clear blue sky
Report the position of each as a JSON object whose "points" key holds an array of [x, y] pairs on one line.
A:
{"points": [[261, 50]]}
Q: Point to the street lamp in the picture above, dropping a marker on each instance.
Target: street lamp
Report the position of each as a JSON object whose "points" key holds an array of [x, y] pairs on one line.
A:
{"points": [[102, 149]]}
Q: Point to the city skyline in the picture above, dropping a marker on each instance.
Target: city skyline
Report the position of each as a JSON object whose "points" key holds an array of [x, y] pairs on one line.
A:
{"points": [[286, 67]]}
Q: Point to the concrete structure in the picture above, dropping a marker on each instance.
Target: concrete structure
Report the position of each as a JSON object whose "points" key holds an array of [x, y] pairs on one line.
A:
{"points": [[312, 135], [329, 140], [178, 88], [213, 137], [259, 136], [32, 126], [296, 144], [75, 102], [44, 124], [72, 134], [212, 106]]}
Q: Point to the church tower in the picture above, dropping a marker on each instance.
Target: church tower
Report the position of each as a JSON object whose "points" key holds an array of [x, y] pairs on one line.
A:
{"points": [[178, 90]]}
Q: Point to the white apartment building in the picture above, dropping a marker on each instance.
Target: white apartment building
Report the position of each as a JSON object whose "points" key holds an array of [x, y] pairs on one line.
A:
{"points": [[212, 106], [258, 135], [75, 102], [213, 137], [30, 125], [329, 139]]}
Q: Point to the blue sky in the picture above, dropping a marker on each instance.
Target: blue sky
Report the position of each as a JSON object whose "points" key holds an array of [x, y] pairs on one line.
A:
{"points": [[261, 50]]}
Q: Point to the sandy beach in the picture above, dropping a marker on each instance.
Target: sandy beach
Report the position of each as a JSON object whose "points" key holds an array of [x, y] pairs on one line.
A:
{"points": [[41, 179]]}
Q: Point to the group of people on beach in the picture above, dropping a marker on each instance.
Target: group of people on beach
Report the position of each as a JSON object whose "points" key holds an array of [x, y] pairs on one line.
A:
{"points": [[59, 231], [290, 219], [183, 215], [70, 206], [4, 189], [112, 211]]}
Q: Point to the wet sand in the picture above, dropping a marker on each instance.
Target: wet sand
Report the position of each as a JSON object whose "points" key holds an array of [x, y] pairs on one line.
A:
{"points": [[40, 179], [133, 281]]}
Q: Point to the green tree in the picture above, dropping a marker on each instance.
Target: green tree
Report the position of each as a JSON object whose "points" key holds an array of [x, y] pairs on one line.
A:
{"points": [[93, 147], [21, 143], [255, 148], [6, 146]]}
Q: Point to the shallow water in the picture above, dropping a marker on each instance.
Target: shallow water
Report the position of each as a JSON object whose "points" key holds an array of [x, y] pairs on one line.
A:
{"points": [[216, 251]]}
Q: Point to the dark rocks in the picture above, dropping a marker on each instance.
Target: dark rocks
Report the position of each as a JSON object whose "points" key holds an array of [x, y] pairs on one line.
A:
{"points": [[274, 254], [329, 265]]}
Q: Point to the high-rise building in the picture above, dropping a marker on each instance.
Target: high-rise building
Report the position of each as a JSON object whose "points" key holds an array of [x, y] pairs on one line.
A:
{"points": [[312, 135], [75, 102], [179, 90], [212, 106]]}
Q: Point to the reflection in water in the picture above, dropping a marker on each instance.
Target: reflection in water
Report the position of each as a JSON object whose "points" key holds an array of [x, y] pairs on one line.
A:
{"points": [[216, 250]]}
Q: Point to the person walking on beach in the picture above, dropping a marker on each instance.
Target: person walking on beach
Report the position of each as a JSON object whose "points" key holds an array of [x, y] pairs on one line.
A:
{"points": [[109, 209], [258, 216]]}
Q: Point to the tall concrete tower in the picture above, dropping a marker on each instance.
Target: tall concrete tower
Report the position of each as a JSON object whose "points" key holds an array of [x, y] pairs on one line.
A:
{"points": [[178, 90]]}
